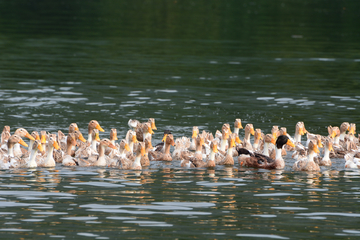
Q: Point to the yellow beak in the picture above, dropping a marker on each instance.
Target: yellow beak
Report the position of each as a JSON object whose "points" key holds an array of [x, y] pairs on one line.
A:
{"points": [[29, 136], [99, 128], [56, 145], [290, 143], [23, 143]]}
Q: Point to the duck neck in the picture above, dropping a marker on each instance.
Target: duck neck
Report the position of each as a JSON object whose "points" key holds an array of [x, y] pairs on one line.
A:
{"points": [[230, 151], [93, 145], [212, 156], [326, 153], [101, 160], [131, 146], [247, 136], [31, 144], [236, 130], [342, 136], [223, 145], [197, 150], [278, 154], [336, 140], [137, 160], [17, 147], [266, 149], [11, 150], [167, 148], [297, 137], [32, 158], [68, 149], [90, 137], [311, 156], [49, 158]]}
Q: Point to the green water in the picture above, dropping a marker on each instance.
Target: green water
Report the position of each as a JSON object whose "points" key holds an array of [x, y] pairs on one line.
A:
{"points": [[183, 63]]}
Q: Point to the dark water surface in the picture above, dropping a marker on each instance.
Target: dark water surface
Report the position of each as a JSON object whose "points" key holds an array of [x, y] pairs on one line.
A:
{"points": [[183, 63]]}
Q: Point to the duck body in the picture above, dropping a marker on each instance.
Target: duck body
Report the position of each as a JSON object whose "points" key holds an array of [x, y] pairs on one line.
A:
{"points": [[258, 160]]}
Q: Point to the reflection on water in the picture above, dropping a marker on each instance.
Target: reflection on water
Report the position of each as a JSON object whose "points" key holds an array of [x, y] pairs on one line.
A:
{"points": [[103, 204]]}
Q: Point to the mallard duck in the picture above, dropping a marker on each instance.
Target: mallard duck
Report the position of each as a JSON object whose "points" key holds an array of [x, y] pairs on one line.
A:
{"points": [[181, 145], [89, 149], [249, 129], [5, 135], [228, 159], [299, 131], [308, 163], [9, 159], [195, 133], [145, 158], [325, 161], [139, 152], [257, 138], [145, 130], [73, 127], [48, 160], [126, 157], [210, 162], [160, 146], [345, 126], [163, 156], [133, 124], [261, 161], [269, 138], [351, 161], [225, 134], [31, 160], [131, 139], [22, 132], [67, 159], [237, 126], [93, 124]]}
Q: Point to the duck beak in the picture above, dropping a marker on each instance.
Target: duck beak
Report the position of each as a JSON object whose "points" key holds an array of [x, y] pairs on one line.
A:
{"points": [[232, 143], [290, 143], [333, 134], [56, 145], [194, 135], [29, 136], [172, 143], [164, 138], [331, 148], [134, 139], [252, 131], [97, 137], [352, 131], [37, 137], [316, 149], [77, 128], [237, 139], [99, 128], [23, 143], [127, 148], [43, 139], [81, 138], [201, 142], [115, 138], [240, 126], [142, 151], [215, 150], [40, 148], [320, 144], [153, 126], [150, 130], [112, 146]]}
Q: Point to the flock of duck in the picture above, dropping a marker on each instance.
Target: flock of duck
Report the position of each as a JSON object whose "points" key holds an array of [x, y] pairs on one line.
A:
{"points": [[204, 150]]}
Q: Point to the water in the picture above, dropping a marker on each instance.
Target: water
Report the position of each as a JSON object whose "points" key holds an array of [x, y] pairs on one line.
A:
{"points": [[183, 63]]}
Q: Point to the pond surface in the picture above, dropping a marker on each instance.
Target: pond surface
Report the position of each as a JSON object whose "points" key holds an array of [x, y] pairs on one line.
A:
{"points": [[184, 63]]}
